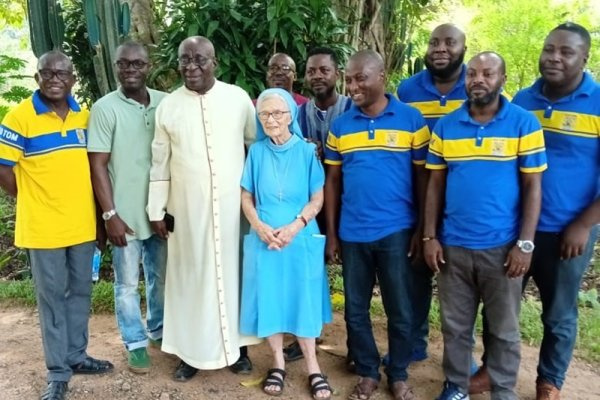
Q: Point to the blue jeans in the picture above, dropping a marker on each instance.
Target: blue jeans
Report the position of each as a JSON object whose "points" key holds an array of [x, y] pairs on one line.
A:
{"points": [[558, 282], [385, 259], [421, 292], [126, 263]]}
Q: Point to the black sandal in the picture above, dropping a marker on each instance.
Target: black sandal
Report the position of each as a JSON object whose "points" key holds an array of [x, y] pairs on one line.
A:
{"points": [[318, 385], [274, 380]]}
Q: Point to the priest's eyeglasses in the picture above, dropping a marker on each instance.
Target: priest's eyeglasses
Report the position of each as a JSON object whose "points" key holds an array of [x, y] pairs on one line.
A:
{"points": [[263, 115], [200, 61]]}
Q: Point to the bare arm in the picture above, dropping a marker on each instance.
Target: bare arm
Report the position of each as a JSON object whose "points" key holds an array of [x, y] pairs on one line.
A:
{"points": [[332, 197], [517, 262], [434, 200], [116, 228], [421, 176], [577, 233], [286, 233], [8, 181], [265, 232]]}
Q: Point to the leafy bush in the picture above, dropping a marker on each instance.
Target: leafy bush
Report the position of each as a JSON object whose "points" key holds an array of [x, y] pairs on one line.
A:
{"points": [[10, 69]]}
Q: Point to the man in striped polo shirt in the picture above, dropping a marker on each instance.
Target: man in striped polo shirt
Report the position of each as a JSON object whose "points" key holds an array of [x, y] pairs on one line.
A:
{"points": [[486, 160]]}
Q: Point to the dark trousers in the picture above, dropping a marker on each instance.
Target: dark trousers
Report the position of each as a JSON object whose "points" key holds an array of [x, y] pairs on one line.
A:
{"points": [[63, 285], [385, 259], [558, 282]]}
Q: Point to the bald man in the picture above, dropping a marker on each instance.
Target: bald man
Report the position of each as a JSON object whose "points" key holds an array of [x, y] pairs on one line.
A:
{"points": [[478, 239], [197, 163], [281, 73], [376, 152], [44, 164]]}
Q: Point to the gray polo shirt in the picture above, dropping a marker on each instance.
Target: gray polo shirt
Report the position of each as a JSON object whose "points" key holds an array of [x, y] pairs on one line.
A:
{"points": [[125, 129]]}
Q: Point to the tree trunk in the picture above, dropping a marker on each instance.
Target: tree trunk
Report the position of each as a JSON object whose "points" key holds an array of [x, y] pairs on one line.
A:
{"points": [[143, 28]]}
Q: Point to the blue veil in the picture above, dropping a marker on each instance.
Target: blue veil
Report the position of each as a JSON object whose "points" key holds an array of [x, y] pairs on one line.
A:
{"points": [[293, 107]]}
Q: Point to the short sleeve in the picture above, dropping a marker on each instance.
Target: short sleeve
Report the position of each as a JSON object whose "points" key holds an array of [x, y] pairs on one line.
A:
{"points": [[332, 154], [12, 140], [420, 140], [435, 155], [247, 182], [100, 130], [316, 174], [532, 151]]}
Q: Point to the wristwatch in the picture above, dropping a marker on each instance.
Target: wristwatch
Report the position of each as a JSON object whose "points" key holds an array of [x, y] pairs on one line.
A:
{"points": [[109, 214], [302, 219], [526, 246]]}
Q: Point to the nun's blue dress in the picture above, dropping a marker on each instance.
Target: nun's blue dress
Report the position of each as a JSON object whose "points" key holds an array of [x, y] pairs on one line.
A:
{"points": [[284, 291]]}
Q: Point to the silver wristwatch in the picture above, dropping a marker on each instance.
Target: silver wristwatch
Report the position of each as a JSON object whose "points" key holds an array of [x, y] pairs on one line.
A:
{"points": [[526, 246], [109, 214]]}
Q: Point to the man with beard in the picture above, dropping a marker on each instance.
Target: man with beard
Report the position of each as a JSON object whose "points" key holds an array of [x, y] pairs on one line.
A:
{"points": [[197, 164], [119, 147], [375, 151], [486, 160], [436, 91], [315, 117], [44, 164], [566, 100]]}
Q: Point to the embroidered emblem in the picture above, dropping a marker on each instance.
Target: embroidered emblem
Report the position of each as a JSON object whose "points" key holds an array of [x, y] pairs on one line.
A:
{"points": [[80, 135], [498, 147], [392, 137], [569, 121]]}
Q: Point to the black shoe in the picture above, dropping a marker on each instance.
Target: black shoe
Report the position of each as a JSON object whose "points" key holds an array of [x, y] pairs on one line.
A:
{"points": [[293, 352], [184, 372], [56, 390], [242, 366], [350, 365], [92, 366]]}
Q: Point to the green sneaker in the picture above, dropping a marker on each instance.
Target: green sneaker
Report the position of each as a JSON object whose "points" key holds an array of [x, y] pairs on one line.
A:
{"points": [[139, 361]]}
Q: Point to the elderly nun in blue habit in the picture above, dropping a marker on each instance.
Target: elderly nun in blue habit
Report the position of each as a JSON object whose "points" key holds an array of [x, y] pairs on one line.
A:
{"points": [[284, 286]]}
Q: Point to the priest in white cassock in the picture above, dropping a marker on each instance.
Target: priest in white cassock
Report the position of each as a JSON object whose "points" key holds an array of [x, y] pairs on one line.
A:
{"points": [[197, 163]]}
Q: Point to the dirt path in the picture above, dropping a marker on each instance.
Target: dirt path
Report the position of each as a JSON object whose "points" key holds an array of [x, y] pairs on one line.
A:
{"points": [[22, 374]]}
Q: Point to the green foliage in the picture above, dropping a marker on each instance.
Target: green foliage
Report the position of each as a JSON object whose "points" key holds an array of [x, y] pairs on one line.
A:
{"points": [[245, 34], [12, 12], [589, 298], [46, 25], [78, 48], [10, 71], [516, 29], [18, 292]]}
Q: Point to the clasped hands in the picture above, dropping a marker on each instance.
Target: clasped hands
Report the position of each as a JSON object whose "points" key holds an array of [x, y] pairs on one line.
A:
{"points": [[278, 238]]}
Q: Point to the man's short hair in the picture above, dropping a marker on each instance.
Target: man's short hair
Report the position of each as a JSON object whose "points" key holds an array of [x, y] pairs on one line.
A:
{"points": [[324, 51], [578, 29]]}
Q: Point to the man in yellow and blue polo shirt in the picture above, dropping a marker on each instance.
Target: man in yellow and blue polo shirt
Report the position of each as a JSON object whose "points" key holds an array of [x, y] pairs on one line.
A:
{"points": [[43, 162], [376, 152], [435, 92], [566, 101], [486, 160]]}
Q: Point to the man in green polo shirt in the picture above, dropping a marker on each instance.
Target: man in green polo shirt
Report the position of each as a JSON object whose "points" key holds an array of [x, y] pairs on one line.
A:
{"points": [[120, 136]]}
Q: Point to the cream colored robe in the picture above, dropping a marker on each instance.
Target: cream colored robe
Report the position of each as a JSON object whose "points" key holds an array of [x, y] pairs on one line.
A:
{"points": [[197, 163]]}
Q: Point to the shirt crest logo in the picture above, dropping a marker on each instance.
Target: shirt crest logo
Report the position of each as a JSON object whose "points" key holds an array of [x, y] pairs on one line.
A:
{"points": [[391, 138], [498, 147], [569, 121], [80, 135]]}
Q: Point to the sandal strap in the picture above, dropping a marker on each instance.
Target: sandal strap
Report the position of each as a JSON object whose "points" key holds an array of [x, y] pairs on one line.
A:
{"points": [[321, 384], [274, 380]]}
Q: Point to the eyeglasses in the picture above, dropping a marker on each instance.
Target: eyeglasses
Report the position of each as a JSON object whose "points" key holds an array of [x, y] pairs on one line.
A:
{"points": [[277, 68], [136, 64], [264, 115], [200, 61], [61, 74]]}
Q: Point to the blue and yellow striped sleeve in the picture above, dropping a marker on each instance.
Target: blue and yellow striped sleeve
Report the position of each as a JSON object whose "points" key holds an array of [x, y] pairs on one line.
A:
{"points": [[12, 141], [332, 154], [532, 151], [420, 140], [435, 155]]}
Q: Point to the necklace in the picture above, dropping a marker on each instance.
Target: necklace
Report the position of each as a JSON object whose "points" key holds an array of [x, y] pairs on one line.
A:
{"points": [[280, 182]]}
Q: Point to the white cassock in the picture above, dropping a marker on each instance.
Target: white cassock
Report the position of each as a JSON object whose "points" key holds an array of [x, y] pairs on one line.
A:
{"points": [[197, 164]]}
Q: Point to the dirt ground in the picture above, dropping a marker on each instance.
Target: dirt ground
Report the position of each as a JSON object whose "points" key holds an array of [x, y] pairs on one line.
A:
{"points": [[22, 372]]}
